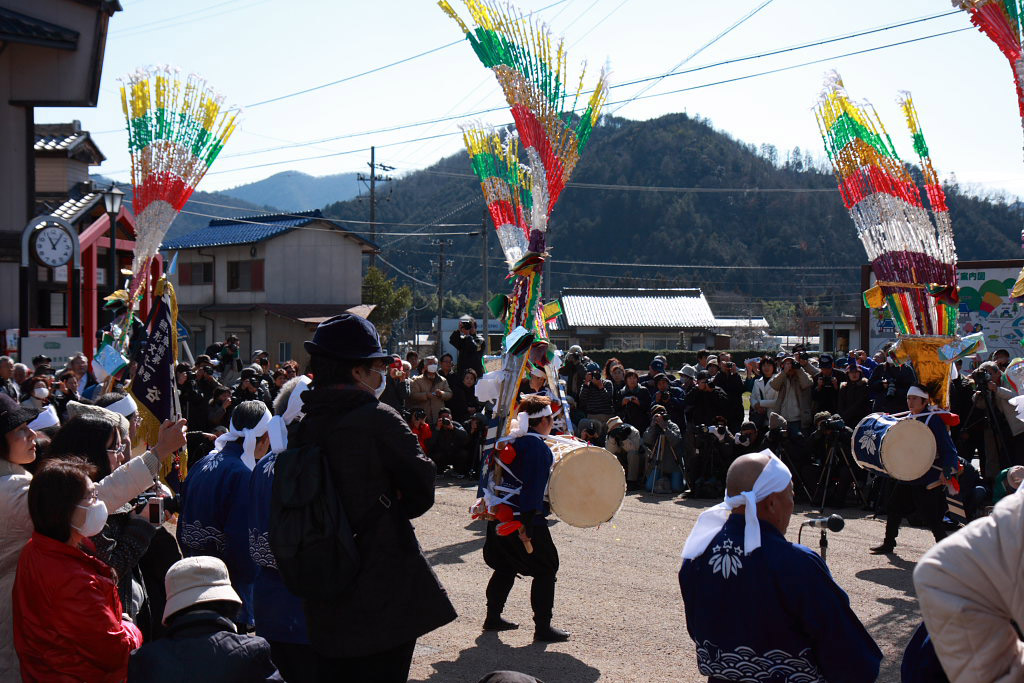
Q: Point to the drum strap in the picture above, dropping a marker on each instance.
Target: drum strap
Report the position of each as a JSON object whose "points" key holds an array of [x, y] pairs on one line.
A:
{"points": [[497, 494]]}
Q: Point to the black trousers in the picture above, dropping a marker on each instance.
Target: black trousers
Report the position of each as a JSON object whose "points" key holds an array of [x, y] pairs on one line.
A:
{"points": [[905, 499], [390, 666], [507, 556]]}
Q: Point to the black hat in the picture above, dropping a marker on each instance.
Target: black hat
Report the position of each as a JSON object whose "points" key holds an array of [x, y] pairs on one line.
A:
{"points": [[825, 360], [703, 376], [41, 359], [346, 337], [12, 419]]}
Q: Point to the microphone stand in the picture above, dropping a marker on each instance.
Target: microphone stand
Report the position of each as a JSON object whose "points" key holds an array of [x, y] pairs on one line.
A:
{"points": [[823, 543]]}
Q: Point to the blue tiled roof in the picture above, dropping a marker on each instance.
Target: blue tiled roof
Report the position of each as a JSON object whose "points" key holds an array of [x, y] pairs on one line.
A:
{"points": [[223, 232]]}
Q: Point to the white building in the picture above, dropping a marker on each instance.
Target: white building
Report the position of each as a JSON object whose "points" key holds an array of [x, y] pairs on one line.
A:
{"points": [[268, 279]]}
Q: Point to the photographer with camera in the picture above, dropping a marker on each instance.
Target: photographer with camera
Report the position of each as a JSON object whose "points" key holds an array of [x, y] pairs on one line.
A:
{"points": [[250, 388], [573, 371], [1003, 431], [470, 346], [728, 379], [596, 397], [447, 446], [889, 384], [854, 396], [624, 443], [714, 453], [633, 402], [664, 466], [218, 412], [827, 382], [793, 402], [671, 398], [227, 356], [747, 440], [830, 444], [763, 396], [193, 404]]}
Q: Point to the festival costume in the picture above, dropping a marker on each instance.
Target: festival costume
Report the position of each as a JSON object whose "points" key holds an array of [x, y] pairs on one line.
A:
{"points": [[215, 517], [760, 608]]}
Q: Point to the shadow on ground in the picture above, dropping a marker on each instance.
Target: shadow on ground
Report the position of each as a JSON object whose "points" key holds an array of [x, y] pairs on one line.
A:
{"points": [[489, 653]]}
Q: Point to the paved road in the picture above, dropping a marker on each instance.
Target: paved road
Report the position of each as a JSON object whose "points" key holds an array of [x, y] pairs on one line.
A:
{"points": [[618, 594]]}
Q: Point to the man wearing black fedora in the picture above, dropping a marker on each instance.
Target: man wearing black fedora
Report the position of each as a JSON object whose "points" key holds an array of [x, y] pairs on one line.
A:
{"points": [[380, 473]]}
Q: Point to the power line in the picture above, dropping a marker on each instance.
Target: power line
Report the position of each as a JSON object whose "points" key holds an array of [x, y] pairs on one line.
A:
{"points": [[442, 119], [402, 272], [340, 220], [379, 68], [742, 20], [249, 221]]}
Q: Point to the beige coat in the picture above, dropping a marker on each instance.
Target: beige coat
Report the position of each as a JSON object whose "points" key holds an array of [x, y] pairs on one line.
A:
{"points": [[420, 396], [970, 589], [123, 484]]}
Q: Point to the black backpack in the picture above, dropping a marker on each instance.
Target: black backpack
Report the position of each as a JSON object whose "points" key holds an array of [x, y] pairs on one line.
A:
{"points": [[310, 535]]}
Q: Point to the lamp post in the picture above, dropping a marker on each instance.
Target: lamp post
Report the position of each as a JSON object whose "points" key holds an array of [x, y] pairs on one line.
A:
{"points": [[112, 199]]}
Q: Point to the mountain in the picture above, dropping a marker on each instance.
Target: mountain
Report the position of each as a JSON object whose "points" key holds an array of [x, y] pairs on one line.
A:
{"points": [[295, 191], [200, 209], [700, 220]]}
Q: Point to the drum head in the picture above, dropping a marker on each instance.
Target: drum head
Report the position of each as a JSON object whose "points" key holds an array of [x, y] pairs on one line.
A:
{"points": [[587, 486], [908, 450]]}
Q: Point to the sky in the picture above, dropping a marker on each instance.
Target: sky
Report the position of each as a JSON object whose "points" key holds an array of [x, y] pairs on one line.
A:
{"points": [[255, 50]]}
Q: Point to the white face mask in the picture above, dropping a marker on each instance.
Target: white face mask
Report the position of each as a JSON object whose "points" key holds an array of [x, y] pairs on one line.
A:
{"points": [[95, 518], [40, 392], [432, 368], [380, 387]]}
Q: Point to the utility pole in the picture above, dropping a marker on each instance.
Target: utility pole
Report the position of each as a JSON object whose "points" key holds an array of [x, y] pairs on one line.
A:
{"points": [[487, 292], [441, 264], [372, 179]]}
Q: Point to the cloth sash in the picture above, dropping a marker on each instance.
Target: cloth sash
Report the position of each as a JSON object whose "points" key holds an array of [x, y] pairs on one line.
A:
{"points": [[278, 427], [249, 438], [774, 478]]}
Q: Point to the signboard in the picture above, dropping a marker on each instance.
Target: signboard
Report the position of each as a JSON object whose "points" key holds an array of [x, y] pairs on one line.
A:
{"points": [[182, 332], [985, 306], [59, 349]]}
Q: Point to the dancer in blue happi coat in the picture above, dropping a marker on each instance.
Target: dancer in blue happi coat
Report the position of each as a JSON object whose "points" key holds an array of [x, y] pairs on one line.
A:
{"points": [[758, 607], [214, 516]]}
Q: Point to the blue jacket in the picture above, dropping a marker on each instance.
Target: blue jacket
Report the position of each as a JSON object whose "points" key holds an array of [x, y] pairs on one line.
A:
{"points": [[532, 467], [775, 613], [215, 518], [946, 455], [278, 613]]}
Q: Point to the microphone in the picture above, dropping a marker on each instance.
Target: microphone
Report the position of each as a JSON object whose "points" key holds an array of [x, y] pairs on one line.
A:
{"points": [[833, 523]]}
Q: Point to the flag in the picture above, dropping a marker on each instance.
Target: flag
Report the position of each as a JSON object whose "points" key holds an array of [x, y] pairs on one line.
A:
{"points": [[153, 386], [552, 310], [107, 361], [173, 265]]}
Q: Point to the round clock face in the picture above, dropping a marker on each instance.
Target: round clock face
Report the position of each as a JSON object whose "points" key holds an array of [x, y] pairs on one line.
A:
{"points": [[53, 246]]}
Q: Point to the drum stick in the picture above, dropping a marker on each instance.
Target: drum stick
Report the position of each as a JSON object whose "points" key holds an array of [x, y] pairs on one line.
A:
{"points": [[527, 543]]}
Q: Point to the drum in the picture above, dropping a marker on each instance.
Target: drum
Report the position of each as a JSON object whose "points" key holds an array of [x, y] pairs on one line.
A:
{"points": [[587, 483], [900, 447]]}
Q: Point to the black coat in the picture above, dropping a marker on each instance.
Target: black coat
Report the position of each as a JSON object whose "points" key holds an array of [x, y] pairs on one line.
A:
{"points": [[471, 352], [396, 597], [203, 646]]}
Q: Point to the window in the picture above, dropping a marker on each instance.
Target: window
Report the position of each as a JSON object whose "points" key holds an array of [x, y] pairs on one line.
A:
{"points": [[245, 276], [196, 273], [284, 351]]}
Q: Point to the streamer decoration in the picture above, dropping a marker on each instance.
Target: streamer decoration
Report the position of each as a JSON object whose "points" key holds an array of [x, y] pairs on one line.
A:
{"points": [[176, 128]]}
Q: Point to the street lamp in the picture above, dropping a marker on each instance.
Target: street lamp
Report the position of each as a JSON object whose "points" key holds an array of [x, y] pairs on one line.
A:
{"points": [[112, 199]]}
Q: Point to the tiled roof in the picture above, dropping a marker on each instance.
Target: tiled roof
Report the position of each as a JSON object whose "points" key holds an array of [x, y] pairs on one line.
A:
{"points": [[66, 140], [736, 323], [21, 28], [53, 143], [636, 308], [70, 207], [222, 232]]}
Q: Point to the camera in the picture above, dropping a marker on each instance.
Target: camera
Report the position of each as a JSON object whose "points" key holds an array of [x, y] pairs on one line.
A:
{"points": [[150, 507], [834, 423], [981, 378], [446, 421]]}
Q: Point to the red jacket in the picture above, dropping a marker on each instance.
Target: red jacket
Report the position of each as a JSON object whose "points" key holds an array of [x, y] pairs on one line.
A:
{"points": [[67, 616]]}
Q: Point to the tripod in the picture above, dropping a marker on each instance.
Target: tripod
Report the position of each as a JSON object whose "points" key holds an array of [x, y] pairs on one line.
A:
{"points": [[836, 457], [780, 447]]}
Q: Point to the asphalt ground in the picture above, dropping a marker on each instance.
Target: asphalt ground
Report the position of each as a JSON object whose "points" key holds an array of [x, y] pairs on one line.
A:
{"points": [[618, 593]]}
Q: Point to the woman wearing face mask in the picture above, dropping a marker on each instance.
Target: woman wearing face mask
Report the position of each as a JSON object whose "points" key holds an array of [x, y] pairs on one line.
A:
{"points": [[125, 537], [68, 622], [429, 391], [18, 449], [36, 394]]}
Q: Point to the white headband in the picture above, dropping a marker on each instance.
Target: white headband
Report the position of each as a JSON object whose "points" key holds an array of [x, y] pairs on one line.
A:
{"points": [[522, 424], [46, 418], [278, 428], [126, 406], [248, 436], [914, 391], [774, 477]]}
